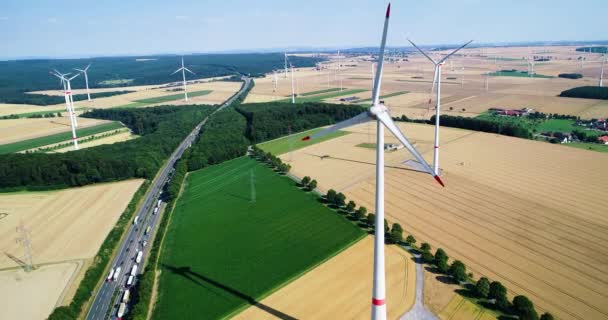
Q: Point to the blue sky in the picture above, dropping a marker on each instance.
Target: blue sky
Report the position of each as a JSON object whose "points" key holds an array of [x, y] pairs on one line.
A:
{"points": [[111, 27]]}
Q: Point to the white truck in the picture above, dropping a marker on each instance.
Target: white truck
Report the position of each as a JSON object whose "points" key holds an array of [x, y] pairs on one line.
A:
{"points": [[134, 270], [155, 210], [109, 278], [130, 281], [139, 256], [116, 274], [159, 203], [136, 220], [121, 311], [126, 296]]}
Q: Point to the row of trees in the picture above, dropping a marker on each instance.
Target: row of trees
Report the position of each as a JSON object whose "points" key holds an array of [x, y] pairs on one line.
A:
{"points": [[492, 291], [275, 162], [570, 75], [504, 128], [46, 100]]}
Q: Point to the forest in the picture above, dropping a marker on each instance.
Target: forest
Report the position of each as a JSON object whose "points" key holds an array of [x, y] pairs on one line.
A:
{"points": [[18, 77], [161, 129], [46, 100], [587, 92], [267, 121], [593, 49]]}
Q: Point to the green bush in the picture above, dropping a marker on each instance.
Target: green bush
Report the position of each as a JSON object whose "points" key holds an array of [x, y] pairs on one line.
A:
{"points": [[586, 92], [570, 75]]}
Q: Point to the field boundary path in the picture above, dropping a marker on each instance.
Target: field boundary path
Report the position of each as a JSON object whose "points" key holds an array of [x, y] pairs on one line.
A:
{"points": [[105, 295], [419, 311]]}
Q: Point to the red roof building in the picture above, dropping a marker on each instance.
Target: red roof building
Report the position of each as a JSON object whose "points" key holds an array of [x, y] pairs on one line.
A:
{"points": [[603, 139]]}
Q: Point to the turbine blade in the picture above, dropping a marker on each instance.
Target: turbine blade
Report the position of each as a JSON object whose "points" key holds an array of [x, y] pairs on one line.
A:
{"points": [[79, 70], [176, 71], [74, 76], [446, 57], [377, 80], [424, 53], [385, 118], [360, 118], [87, 68], [189, 70], [434, 79]]}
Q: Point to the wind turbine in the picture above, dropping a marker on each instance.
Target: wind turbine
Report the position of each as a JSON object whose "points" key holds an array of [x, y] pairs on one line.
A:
{"points": [[183, 70], [437, 77], [379, 112], [601, 84], [285, 65], [293, 89], [86, 79], [67, 91]]}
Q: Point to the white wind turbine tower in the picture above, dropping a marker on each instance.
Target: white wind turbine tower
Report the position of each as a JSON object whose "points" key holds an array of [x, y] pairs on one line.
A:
{"points": [[293, 89], [379, 112], [601, 83], [285, 66], [437, 78], [183, 70], [86, 79], [67, 90]]}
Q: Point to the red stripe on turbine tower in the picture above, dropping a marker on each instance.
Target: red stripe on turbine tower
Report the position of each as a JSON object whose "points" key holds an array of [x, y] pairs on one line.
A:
{"points": [[439, 180], [378, 302]]}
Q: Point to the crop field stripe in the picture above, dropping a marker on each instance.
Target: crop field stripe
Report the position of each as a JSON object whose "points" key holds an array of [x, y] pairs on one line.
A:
{"points": [[264, 245], [327, 96], [58, 137], [444, 231], [294, 142], [394, 94], [173, 97], [311, 93]]}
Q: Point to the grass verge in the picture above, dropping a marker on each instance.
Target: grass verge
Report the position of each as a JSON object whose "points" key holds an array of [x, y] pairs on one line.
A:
{"points": [[294, 142]]}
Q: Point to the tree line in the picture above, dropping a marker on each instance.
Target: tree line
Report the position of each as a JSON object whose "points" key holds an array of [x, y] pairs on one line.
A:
{"points": [[19, 77], [504, 128], [586, 92], [570, 75], [46, 100], [161, 129]]}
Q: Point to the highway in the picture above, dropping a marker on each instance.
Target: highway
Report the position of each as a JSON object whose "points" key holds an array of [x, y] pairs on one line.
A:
{"points": [[136, 238]]}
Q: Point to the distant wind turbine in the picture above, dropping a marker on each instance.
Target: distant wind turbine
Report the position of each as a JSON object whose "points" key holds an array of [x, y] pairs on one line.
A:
{"points": [[601, 83], [437, 78], [67, 91], [86, 80], [183, 70], [293, 89]]}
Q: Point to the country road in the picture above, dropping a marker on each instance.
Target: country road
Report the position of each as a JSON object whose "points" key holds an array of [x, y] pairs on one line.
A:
{"points": [[137, 237]]}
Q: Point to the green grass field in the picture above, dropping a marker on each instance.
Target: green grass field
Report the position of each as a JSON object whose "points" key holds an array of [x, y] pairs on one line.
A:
{"points": [[588, 146], [559, 125], [394, 94], [223, 252], [517, 74], [173, 97], [312, 93], [330, 95], [294, 142], [56, 138]]}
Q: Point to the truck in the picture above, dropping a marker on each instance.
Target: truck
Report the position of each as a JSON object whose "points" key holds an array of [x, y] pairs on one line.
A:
{"points": [[116, 274], [136, 220], [121, 311], [130, 281], [155, 210], [126, 296], [148, 229], [109, 278], [138, 256], [134, 270], [159, 203]]}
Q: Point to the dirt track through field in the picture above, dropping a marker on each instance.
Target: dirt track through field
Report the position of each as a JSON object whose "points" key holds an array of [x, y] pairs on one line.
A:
{"points": [[529, 214]]}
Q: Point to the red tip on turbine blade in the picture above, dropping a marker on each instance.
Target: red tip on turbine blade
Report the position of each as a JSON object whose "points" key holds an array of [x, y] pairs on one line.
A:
{"points": [[388, 10], [439, 180], [306, 138]]}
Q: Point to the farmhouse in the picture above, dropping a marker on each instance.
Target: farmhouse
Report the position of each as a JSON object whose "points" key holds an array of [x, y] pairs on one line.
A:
{"points": [[602, 139]]}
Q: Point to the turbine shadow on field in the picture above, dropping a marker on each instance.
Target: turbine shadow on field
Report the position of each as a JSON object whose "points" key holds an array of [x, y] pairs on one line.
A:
{"points": [[201, 280], [362, 162]]}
